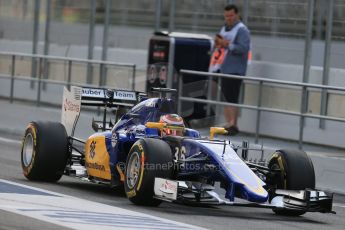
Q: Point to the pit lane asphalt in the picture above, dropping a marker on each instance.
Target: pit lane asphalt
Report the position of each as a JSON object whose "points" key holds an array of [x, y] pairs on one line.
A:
{"points": [[216, 217], [329, 162], [14, 118]]}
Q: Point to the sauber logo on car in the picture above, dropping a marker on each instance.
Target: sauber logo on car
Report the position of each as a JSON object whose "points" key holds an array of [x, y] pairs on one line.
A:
{"points": [[123, 95], [95, 166], [70, 106], [92, 149], [93, 93]]}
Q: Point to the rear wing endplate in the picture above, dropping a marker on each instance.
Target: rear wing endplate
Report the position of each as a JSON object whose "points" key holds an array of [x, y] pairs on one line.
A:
{"points": [[96, 97]]}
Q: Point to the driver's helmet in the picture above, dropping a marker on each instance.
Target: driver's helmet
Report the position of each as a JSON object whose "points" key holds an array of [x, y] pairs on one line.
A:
{"points": [[174, 125]]}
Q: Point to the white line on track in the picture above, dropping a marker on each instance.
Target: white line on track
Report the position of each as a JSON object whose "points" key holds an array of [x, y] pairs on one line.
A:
{"points": [[3, 139], [76, 213], [338, 205]]}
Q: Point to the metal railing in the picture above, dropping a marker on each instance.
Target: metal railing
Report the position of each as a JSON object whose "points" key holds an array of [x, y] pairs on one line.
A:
{"points": [[43, 61], [302, 114]]}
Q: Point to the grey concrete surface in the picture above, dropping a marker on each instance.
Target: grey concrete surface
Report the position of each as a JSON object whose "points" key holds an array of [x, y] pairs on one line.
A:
{"points": [[15, 117]]}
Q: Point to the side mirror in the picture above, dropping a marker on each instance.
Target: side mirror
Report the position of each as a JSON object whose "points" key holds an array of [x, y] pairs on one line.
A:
{"points": [[155, 125], [217, 130]]}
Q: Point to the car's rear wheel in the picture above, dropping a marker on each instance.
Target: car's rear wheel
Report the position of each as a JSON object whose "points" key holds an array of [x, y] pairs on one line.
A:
{"points": [[296, 173], [44, 151], [147, 159]]}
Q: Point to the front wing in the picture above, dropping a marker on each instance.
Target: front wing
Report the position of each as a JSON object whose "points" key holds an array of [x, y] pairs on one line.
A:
{"points": [[195, 193], [305, 200]]}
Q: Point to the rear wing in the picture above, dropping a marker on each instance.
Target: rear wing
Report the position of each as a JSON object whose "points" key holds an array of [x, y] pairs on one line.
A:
{"points": [[110, 97], [95, 97]]}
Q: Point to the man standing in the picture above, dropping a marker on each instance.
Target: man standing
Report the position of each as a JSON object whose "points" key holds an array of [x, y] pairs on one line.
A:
{"points": [[234, 37]]}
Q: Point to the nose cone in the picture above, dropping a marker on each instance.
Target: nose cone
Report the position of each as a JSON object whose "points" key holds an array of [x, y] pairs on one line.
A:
{"points": [[258, 194]]}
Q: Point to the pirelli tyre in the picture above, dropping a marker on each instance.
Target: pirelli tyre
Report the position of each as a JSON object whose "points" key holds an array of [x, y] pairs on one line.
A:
{"points": [[44, 151], [297, 173], [147, 159]]}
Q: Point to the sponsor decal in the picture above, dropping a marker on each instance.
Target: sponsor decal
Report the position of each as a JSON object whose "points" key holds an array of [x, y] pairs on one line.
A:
{"points": [[124, 95], [109, 93], [168, 187], [93, 93], [150, 103], [142, 166], [165, 188], [94, 166], [70, 106], [113, 139], [32, 130], [92, 149]]}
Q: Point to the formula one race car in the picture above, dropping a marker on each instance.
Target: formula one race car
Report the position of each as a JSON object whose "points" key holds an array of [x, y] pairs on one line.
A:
{"points": [[148, 151]]}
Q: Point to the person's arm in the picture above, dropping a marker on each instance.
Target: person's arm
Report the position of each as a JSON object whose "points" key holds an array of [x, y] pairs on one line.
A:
{"points": [[217, 41], [242, 43]]}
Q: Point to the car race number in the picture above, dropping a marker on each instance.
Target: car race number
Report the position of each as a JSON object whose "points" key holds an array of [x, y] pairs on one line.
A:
{"points": [[180, 155]]}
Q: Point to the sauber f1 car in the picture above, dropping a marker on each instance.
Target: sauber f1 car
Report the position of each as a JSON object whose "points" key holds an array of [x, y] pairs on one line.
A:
{"points": [[156, 161]]}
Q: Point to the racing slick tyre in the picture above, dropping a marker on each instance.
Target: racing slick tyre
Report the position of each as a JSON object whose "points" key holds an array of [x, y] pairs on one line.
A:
{"points": [[44, 151], [297, 173], [147, 159]]}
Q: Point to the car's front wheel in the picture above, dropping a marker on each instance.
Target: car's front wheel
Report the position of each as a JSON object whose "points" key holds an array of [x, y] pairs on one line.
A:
{"points": [[148, 158], [296, 173]]}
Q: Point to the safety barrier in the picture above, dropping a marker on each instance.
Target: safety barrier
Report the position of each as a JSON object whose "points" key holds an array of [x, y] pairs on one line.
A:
{"points": [[40, 74], [302, 114]]}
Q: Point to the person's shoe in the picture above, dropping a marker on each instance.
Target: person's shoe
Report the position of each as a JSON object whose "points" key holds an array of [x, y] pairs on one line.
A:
{"points": [[232, 130]]}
